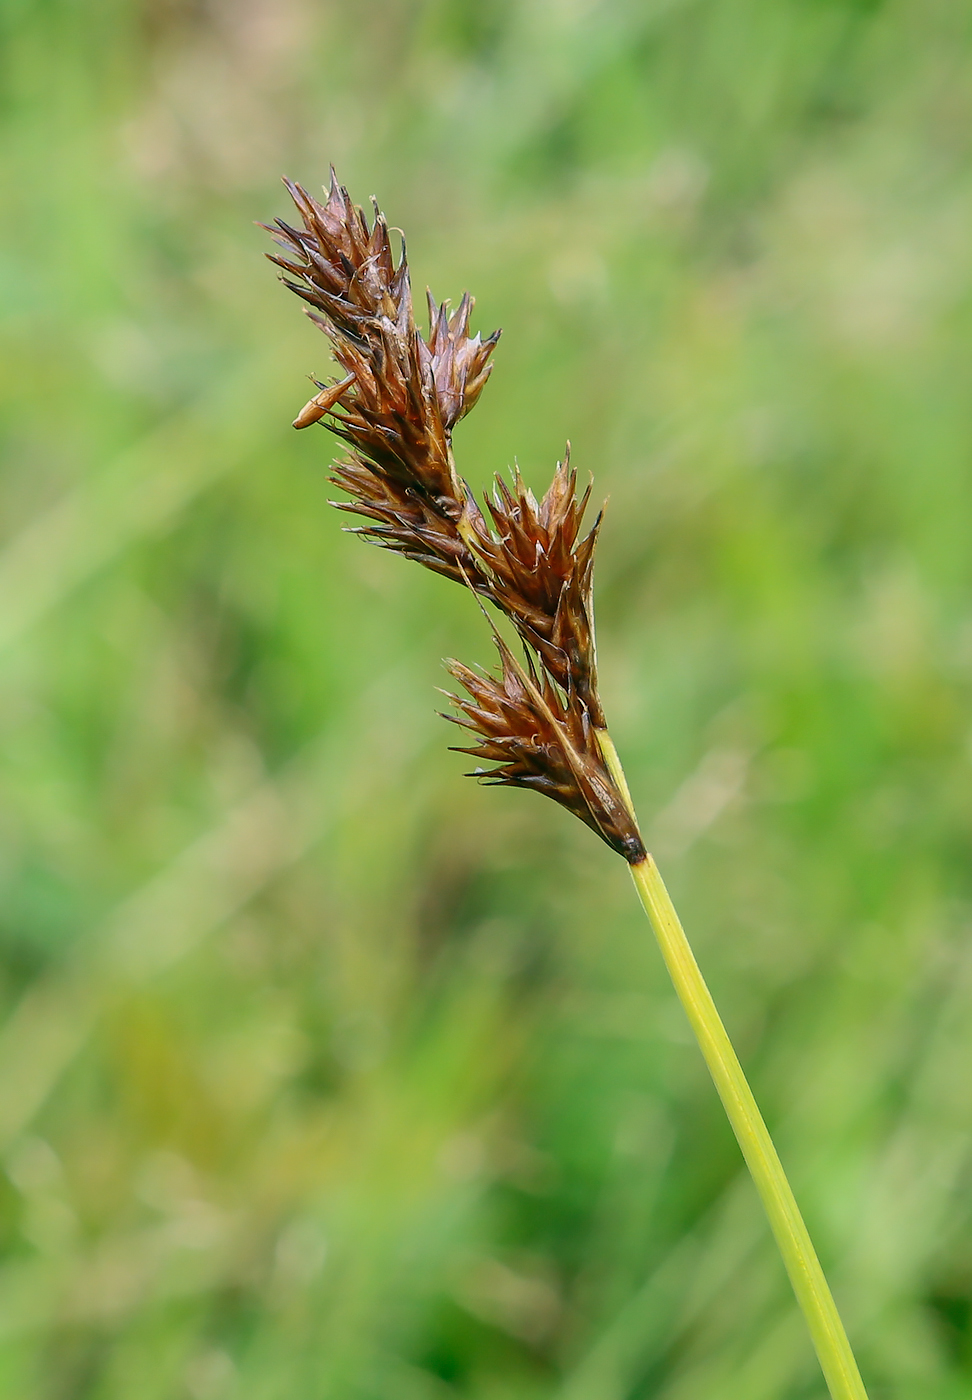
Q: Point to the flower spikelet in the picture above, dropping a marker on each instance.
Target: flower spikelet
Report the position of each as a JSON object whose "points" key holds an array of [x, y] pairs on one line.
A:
{"points": [[461, 363], [398, 397], [541, 575], [395, 403], [538, 738]]}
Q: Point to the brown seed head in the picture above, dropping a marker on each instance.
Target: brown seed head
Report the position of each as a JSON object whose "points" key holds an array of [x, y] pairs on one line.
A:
{"points": [[396, 403], [542, 576], [540, 739], [399, 397]]}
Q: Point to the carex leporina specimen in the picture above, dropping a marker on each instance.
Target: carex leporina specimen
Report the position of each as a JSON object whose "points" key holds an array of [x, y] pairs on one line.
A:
{"points": [[539, 723]]}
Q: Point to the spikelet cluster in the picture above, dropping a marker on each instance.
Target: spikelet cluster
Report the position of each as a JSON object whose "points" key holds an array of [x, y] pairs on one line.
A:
{"points": [[538, 737], [542, 577], [399, 396], [395, 403]]}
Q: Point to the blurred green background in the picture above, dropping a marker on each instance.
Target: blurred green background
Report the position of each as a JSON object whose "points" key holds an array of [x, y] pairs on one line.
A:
{"points": [[324, 1073]]}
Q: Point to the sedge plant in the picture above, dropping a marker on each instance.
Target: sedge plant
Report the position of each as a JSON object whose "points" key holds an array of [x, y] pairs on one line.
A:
{"points": [[539, 722]]}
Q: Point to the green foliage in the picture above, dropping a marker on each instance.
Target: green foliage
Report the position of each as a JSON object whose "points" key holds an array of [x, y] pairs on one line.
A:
{"points": [[324, 1073]]}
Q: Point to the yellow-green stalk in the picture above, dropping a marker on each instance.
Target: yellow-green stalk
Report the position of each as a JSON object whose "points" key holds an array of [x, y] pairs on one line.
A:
{"points": [[807, 1277]]}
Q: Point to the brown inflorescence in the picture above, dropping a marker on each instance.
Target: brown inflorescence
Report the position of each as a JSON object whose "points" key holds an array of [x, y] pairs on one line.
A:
{"points": [[399, 397], [542, 577], [540, 738], [396, 403]]}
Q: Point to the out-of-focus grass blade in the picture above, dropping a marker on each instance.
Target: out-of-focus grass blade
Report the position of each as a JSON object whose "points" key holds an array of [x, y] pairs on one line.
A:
{"points": [[171, 914], [139, 493]]}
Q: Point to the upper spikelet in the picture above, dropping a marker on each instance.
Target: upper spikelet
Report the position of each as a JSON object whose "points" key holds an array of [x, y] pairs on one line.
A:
{"points": [[399, 396]]}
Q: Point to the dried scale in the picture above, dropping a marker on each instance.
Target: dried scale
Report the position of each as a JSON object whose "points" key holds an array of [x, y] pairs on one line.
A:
{"points": [[540, 725]]}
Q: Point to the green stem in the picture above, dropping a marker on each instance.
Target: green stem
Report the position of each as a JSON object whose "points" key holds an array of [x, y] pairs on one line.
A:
{"points": [[814, 1296]]}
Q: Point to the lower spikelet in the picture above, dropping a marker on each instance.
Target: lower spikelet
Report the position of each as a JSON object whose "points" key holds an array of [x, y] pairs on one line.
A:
{"points": [[537, 738]]}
